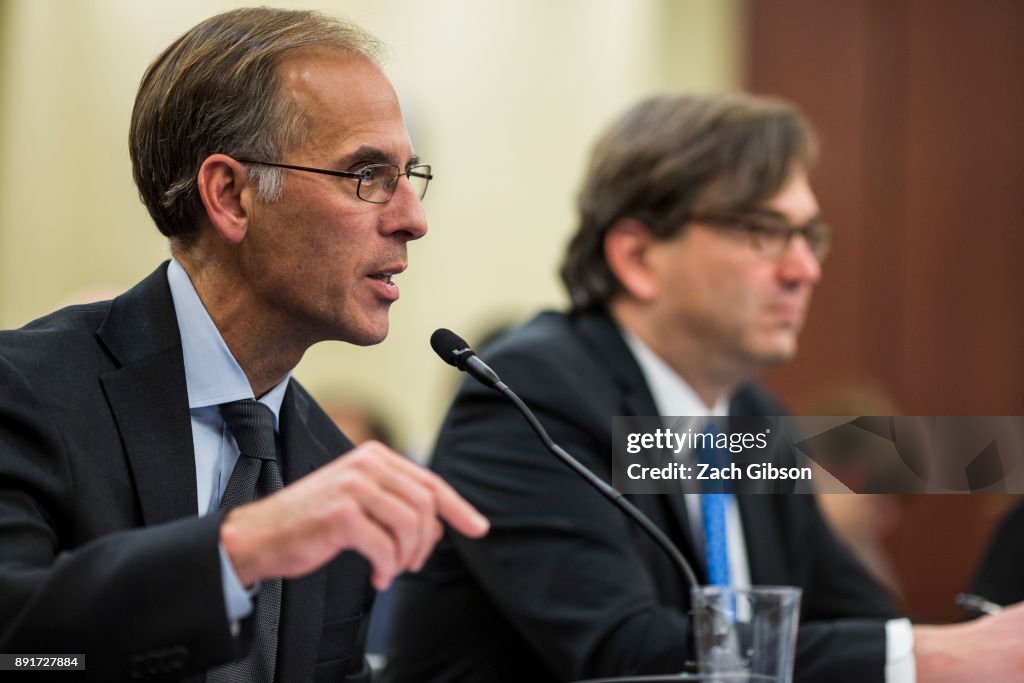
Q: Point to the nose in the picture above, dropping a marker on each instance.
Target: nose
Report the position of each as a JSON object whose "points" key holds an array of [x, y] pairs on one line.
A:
{"points": [[798, 264], [406, 217]]}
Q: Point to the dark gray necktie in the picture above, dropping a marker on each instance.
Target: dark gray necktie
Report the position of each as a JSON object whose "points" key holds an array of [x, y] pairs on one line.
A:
{"points": [[256, 474]]}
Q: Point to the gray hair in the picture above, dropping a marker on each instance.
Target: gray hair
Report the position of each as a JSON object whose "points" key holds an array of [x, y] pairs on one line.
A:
{"points": [[216, 90]]}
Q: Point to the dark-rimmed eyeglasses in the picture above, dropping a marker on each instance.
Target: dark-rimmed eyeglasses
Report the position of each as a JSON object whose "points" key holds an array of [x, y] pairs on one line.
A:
{"points": [[772, 234], [377, 182]]}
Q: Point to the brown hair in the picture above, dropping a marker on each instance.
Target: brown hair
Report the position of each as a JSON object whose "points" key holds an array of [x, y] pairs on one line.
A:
{"points": [[671, 156], [215, 90]]}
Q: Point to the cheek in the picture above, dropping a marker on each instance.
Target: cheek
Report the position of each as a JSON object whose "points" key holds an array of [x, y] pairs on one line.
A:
{"points": [[755, 286], [726, 290], [324, 249]]}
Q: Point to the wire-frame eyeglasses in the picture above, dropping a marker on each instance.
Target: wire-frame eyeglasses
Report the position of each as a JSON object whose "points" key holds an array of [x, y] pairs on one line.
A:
{"points": [[377, 182]]}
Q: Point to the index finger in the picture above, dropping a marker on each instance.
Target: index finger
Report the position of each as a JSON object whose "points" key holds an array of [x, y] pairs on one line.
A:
{"points": [[451, 507], [457, 511]]}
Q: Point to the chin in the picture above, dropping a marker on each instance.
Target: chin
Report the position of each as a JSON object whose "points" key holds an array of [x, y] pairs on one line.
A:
{"points": [[362, 335], [368, 338], [777, 352]]}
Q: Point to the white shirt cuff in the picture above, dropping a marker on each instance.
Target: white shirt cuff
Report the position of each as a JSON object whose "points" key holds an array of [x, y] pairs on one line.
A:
{"points": [[899, 652]]}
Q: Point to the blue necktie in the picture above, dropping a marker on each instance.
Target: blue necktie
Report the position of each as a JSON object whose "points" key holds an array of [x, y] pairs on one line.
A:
{"points": [[713, 500]]}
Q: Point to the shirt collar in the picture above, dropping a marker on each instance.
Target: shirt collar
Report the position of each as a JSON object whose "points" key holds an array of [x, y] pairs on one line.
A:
{"points": [[671, 393], [212, 375]]}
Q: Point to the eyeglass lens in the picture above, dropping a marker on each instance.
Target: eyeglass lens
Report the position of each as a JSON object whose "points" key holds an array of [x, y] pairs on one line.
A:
{"points": [[378, 182], [774, 240]]}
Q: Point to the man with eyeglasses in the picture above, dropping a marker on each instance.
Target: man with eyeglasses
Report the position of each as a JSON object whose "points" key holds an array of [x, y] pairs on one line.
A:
{"points": [[172, 503], [699, 245]]}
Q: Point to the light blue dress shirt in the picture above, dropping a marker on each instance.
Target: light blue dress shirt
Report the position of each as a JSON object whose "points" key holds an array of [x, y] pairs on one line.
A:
{"points": [[212, 377]]}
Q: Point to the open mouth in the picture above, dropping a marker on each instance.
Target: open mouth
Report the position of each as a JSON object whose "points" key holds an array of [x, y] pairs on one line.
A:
{"points": [[384, 277]]}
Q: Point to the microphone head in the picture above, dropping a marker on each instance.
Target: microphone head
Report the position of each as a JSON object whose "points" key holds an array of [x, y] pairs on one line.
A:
{"points": [[452, 348]]}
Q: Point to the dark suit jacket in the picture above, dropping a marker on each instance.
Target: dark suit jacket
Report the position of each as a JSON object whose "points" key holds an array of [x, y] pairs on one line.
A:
{"points": [[101, 551], [1000, 576], [564, 587]]}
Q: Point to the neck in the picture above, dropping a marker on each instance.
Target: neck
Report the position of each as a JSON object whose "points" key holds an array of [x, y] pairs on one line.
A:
{"points": [[265, 348], [711, 376]]}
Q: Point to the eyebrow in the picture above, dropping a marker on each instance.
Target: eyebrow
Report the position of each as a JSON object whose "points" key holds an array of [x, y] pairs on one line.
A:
{"points": [[772, 213], [374, 155]]}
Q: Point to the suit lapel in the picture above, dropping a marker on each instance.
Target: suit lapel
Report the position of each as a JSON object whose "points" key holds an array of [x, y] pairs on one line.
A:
{"points": [[601, 335], [760, 525], [150, 405], [302, 605], [149, 400], [763, 539], [303, 452]]}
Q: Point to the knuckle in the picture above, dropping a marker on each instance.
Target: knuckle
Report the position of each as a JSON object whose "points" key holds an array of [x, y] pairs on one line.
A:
{"points": [[421, 499], [370, 461], [359, 458], [354, 484], [435, 483], [343, 512], [406, 524]]}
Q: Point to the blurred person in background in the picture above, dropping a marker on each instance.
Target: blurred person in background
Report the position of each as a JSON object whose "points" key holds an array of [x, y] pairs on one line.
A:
{"points": [[359, 420], [699, 244]]}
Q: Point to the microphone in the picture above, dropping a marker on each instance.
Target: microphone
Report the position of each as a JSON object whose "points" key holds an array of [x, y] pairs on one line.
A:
{"points": [[454, 350]]}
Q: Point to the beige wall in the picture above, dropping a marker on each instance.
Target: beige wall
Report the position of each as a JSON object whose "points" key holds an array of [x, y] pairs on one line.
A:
{"points": [[503, 98]]}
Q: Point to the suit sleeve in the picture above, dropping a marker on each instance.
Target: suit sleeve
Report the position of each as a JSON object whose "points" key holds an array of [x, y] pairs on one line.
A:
{"points": [[844, 611], [137, 602], [842, 635], [559, 560], [1000, 577]]}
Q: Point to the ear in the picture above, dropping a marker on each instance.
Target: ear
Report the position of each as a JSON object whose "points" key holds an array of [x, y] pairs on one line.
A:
{"points": [[222, 187], [627, 247]]}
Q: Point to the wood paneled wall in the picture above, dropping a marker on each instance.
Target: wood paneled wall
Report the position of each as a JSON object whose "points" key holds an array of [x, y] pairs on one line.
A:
{"points": [[920, 109]]}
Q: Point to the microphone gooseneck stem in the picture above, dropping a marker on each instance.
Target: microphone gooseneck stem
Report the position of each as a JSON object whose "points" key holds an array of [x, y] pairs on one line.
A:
{"points": [[603, 488]]}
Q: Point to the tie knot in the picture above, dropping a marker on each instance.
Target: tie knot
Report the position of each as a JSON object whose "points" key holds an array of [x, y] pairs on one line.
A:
{"points": [[252, 425]]}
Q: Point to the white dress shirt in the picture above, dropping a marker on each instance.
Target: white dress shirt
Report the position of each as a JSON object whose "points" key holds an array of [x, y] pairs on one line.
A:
{"points": [[674, 397]]}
